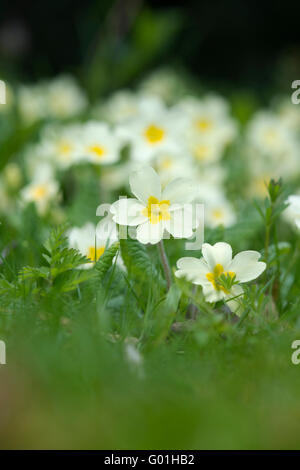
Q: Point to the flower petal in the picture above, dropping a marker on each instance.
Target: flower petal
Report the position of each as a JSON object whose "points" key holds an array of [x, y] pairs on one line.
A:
{"points": [[211, 294], [128, 212], [235, 304], [150, 233], [246, 266], [144, 183], [106, 229], [180, 191], [180, 224], [220, 253], [193, 269]]}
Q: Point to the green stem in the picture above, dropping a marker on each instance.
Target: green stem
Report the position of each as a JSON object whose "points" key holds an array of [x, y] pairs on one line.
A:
{"points": [[277, 270], [165, 263], [267, 243]]}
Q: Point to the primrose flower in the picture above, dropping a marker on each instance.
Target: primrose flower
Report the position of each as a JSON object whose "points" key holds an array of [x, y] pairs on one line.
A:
{"points": [[59, 98], [124, 106], [65, 98], [41, 191], [268, 133], [98, 144], [272, 148], [219, 212], [219, 274], [59, 144], [292, 212], [171, 165], [156, 130], [90, 242], [156, 211], [207, 119]]}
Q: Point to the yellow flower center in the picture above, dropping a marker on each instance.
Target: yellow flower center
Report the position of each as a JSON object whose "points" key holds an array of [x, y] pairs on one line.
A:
{"points": [[157, 210], [64, 148], [94, 254], [97, 150], [201, 151], [271, 137], [203, 124], [217, 213], [214, 277], [166, 163], [154, 134], [39, 192]]}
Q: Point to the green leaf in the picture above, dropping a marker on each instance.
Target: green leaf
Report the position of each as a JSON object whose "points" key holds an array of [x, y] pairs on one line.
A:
{"points": [[137, 260], [31, 273], [164, 314], [105, 261]]}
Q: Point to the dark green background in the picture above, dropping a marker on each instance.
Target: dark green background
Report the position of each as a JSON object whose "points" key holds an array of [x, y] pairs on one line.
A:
{"points": [[224, 43]]}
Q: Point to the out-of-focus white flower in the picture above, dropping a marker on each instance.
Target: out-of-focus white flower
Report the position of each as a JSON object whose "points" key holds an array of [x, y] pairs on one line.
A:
{"points": [[156, 211], [204, 149], [9, 98], [268, 134], [289, 114], [42, 190], [116, 176], [60, 98], [272, 150], [60, 145], [172, 165], [207, 120], [164, 83], [12, 175], [98, 144], [124, 106], [292, 212], [155, 130], [64, 97], [32, 103], [90, 242], [133, 355], [216, 263], [219, 211]]}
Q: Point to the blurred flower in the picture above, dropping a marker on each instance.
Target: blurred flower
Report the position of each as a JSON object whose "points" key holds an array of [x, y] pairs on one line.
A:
{"points": [[42, 190], [156, 129], [125, 105], [32, 103], [164, 83], [170, 165], [64, 97], [219, 274], [204, 150], [12, 176], [290, 115], [98, 144], [218, 211], [208, 126], [116, 176], [154, 210], [292, 212], [86, 240], [60, 98], [59, 144], [272, 148], [267, 133], [9, 99]]}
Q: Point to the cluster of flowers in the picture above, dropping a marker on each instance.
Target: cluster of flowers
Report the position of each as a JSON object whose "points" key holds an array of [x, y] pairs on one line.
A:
{"points": [[272, 145], [186, 139], [183, 137], [154, 212]]}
